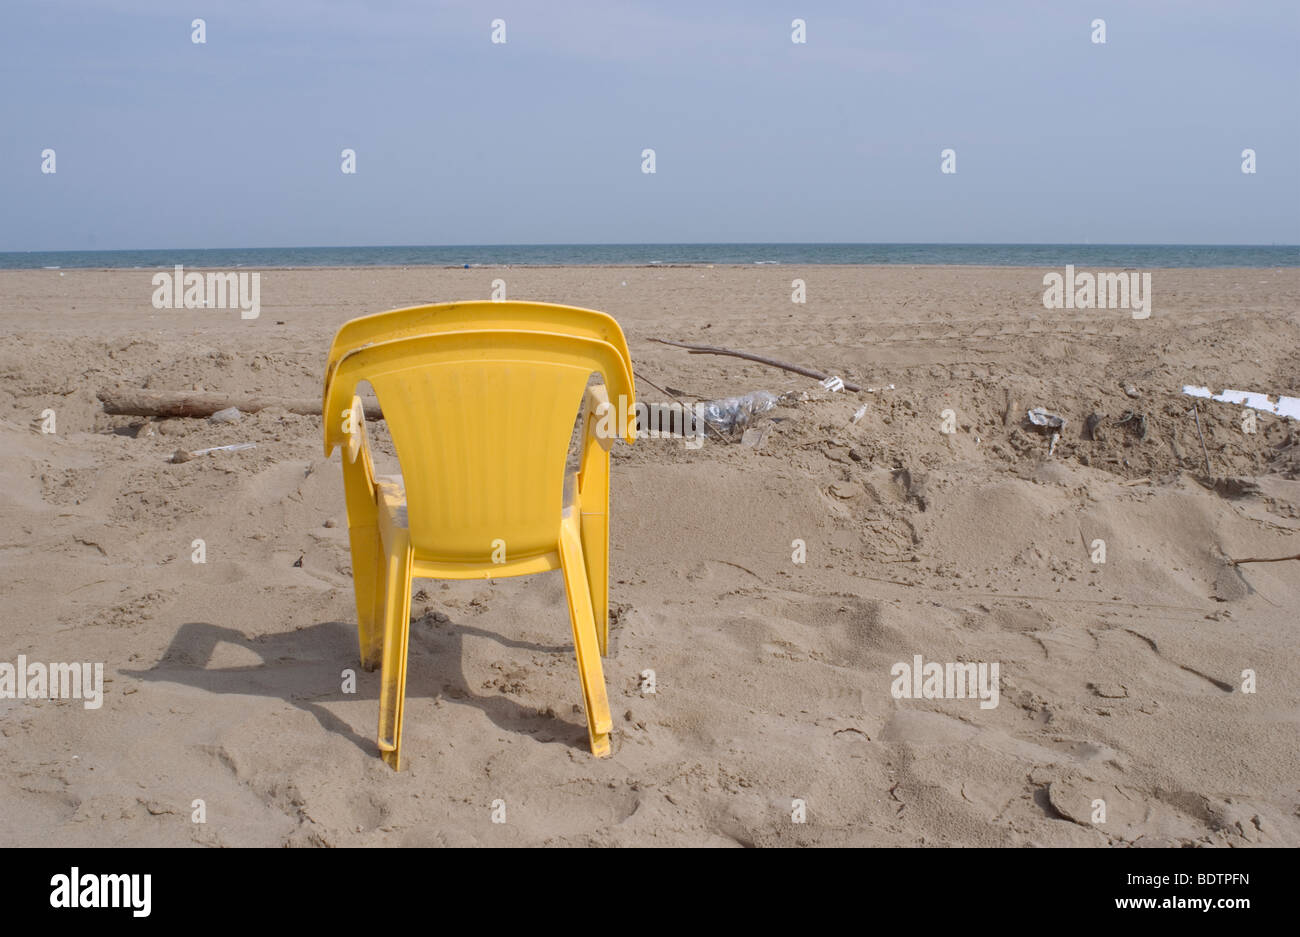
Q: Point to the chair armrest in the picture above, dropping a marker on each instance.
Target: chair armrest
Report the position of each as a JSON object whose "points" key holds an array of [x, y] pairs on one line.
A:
{"points": [[597, 411], [357, 474]]}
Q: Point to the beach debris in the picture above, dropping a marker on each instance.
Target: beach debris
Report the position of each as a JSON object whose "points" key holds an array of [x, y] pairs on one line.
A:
{"points": [[1285, 406], [131, 401], [1042, 418], [298, 562], [185, 455], [861, 412], [677, 395], [1261, 559], [834, 384], [754, 436], [1052, 447], [1090, 426], [233, 447], [145, 430], [227, 415], [1131, 391], [1135, 421], [731, 413], [1011, 408], [784, 366], [1229, 487]]}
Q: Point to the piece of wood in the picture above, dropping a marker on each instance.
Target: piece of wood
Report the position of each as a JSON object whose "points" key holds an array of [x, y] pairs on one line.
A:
{"points": [[131, 401], [1273, 559], [784, 366], [686, 406]]}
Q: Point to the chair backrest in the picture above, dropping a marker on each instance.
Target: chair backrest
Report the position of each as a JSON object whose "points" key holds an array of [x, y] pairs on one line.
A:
{"points": [[474, 315], [481, 421]]}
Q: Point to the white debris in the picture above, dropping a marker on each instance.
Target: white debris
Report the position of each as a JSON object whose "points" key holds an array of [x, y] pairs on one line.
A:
{"points": [[1040, 417], [1285, 406], [236, 447], [228, 415]]}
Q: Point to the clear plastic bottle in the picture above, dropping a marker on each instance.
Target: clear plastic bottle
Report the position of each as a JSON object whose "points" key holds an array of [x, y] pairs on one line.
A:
{"points": [[733, 413]]}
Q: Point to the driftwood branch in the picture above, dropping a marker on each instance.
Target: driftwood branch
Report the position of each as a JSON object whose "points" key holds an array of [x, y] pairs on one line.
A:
{"points": [[1274, 559], [130, 401], [784, 366]]}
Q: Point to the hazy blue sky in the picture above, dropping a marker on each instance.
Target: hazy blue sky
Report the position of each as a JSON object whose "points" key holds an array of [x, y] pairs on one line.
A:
{"points": [[162, 143]]}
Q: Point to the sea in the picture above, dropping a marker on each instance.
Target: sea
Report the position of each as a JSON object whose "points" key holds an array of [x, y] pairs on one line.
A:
{"points": [[1082, 256]]}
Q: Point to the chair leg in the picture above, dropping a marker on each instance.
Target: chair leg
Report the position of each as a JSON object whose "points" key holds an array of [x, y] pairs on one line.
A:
{"points": [[593, 500], [397, 621], [595, 552], [585, 642], [367, 560], [368, 583]]}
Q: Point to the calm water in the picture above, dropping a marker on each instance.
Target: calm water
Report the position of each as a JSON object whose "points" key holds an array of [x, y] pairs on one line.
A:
{"points": [[1100, 256]]}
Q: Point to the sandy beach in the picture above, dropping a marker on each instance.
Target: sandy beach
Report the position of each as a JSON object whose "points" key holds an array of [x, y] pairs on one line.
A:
{"points": [[1126, 681]]}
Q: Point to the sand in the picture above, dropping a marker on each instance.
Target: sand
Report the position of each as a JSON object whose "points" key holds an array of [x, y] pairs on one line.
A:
{"points": [[1120, 681]]}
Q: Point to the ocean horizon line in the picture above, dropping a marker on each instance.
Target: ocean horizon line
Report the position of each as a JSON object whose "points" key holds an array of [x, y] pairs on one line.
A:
{"points": [[809, 253]]}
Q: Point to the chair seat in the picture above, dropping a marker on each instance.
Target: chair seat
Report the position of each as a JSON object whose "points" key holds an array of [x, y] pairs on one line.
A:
{"points": [[391, 495]]}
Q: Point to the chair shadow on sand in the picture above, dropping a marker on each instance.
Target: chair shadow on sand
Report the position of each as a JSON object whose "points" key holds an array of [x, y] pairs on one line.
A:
{"points": [[304, 668]]}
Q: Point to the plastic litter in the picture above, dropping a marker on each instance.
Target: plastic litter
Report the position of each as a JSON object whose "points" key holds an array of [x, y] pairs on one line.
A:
{"points": [[236, 447], [1040, 417], [184, 455], [1135, 421], [228, 415], [1285, 406], [731, 413]]}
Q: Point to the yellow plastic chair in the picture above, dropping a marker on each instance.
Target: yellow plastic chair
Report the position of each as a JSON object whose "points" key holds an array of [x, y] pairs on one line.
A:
{"points": [[481, 420]]}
